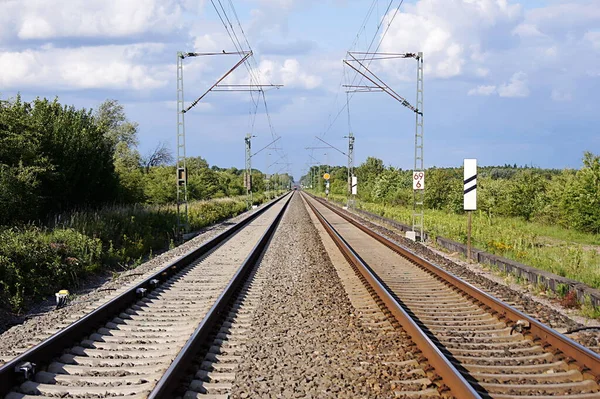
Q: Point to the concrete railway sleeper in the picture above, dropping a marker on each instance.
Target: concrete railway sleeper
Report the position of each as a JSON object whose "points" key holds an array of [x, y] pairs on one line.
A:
{"points": [[215, 372], [499, 351], [146, 346]]}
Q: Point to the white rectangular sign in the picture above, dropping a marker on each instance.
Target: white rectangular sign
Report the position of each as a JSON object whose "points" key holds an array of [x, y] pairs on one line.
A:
{"points": [[354, 185], [419, 180], [470, 185]]}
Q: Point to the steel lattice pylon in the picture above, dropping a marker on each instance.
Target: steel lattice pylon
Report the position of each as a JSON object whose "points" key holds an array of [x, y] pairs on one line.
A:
{"points": [[351, 197], [360, 62], [419, 195], [182, 192], [182, 199], [248, 173]]}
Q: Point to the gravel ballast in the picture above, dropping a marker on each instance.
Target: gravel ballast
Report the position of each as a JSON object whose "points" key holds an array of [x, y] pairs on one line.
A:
{"points": [[306, 340], [519, 296], [41, 321]]}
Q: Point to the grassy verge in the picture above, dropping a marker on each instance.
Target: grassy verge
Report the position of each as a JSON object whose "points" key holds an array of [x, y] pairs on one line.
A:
{"points": [[35, 261], [564, 252]]}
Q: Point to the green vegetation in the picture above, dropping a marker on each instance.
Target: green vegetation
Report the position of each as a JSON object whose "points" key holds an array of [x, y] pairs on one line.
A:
{"points": [[34, 261], [55, 159], [549, 219], [76, 195]]}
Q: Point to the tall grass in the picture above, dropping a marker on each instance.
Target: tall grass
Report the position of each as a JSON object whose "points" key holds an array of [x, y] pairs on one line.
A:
{"points": [[561, 251], [34, 261]]}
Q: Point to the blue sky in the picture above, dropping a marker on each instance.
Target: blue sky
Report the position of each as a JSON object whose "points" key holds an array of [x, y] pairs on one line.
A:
{"points": [[506, 81]]}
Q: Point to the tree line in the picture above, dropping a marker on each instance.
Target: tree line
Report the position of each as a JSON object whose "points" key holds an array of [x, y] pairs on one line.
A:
{"points": [[56, 158], [569, 198]]}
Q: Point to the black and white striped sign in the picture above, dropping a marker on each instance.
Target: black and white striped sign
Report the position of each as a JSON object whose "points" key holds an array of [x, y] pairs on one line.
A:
{"points": [[470, 188]]}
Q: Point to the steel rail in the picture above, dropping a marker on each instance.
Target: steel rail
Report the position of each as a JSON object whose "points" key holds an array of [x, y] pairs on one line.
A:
{"points": [[177, 370], [451, 377], [43, 352], [588, 360]]}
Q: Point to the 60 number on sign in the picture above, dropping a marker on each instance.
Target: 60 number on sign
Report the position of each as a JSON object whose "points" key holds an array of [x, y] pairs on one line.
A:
{"points": [[418, 180]]}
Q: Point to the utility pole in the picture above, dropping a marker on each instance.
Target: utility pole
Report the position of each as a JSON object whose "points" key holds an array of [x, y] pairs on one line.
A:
{"points": [[313, 173], [376, 84], [350, 157], [182, 192], [419, 195], [285, 166], [269, 167], [326, 159], [351, 198], [248, 173], [182, 196], [267, 181]]}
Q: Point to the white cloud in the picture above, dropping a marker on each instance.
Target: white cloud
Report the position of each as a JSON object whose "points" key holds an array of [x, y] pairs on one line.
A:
{"points": [[483, 91], [564, 16], [48, 19], [290, 73], [99, 67], [517, 87], [453, 34]]}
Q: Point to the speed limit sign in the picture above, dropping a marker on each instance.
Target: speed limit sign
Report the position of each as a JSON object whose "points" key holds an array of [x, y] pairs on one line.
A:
{"points": [[419, 180]]}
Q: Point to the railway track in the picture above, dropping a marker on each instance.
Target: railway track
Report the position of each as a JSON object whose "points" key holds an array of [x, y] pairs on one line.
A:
{"points": [[141, 343], [480, 346]]}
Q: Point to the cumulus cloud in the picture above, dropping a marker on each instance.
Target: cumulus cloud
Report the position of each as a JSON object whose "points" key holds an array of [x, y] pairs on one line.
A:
{"points": [[295, 47], [483, 91], [108, 67], [517, 86], [565, 17], [290, 73], [451, 33], [48, 19], [211, 42]]}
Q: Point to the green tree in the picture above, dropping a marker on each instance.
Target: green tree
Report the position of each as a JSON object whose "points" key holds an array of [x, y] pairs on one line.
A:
{"points": [[583, 200], [57, 156], [122, 136], [557, 210], [110, 116], [492, 197], [526, 194], [160, 185], [367, 174], [386, 186], [441, 187]]}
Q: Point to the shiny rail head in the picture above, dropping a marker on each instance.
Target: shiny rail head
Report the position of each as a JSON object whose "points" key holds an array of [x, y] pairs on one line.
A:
{"points": [[454, 380], [178, 368], [43, 353], [586, 358]]}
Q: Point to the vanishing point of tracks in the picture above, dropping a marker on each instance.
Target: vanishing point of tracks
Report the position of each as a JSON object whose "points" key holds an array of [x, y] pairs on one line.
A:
{"points": [[479, 346], [142, 343]]}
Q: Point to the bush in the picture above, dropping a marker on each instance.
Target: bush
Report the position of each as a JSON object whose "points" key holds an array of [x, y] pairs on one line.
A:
{"points": [[34, 262]]}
